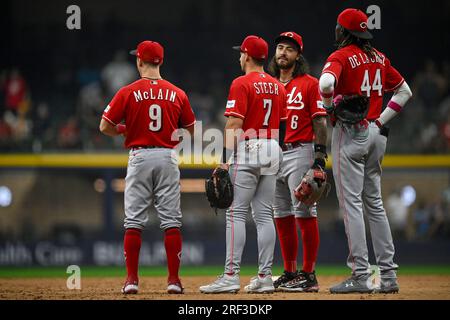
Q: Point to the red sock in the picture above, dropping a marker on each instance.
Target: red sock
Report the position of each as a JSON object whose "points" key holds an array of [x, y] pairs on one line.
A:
{"points": [[310, 238], [173, 243], [132, 246], [287, 234]]}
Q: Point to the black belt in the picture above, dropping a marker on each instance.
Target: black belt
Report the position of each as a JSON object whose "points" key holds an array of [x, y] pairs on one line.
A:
{"points": [[145, 147], [293, 145]]}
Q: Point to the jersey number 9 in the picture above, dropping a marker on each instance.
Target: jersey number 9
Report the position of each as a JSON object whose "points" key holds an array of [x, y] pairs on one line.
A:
{"points": [[155, 114]]}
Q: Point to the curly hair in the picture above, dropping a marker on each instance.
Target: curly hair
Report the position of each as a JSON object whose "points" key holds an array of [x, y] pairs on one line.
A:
{"points": [[361, 43]]}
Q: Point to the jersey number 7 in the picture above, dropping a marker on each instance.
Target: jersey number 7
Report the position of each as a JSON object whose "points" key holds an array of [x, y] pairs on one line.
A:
{"points": [[268, 106]]}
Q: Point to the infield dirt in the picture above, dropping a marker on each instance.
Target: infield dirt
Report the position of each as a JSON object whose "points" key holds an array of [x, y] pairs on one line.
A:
{"points": [[411, 287]]}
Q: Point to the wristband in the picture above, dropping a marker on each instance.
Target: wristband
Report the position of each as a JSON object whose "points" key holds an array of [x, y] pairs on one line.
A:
{"points": [[121, 128], [321, 148]]}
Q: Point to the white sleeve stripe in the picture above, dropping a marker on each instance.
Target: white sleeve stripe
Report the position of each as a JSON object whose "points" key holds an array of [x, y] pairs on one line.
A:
{"points": [[395, 87], [190, 124], [109, 120], [234, 114], [319, 113]]}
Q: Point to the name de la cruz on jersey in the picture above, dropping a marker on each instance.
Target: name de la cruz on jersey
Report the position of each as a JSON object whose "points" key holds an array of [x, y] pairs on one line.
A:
{"points": [[363, 58], [159, 94]]}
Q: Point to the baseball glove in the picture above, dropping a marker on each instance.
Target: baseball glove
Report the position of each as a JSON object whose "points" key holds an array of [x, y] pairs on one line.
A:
{"points": [[351, 109], [219, 189], [313, 185]]}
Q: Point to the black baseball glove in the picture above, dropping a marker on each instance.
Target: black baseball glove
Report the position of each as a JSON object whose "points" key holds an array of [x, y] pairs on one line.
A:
{"points": [[351, 109], [219, 189]]}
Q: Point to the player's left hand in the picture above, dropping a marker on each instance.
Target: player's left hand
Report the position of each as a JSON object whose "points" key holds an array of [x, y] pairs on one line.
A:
{"points": [[224, 166], [318, 163]]}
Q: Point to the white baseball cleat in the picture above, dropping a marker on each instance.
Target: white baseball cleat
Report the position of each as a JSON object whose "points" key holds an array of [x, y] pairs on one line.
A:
{"points": [[130, 287], [175, 288], [260, 284], [224, 284]]}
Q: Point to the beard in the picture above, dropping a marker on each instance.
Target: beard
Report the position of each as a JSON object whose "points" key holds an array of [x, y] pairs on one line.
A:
{"points": [[285, 64]]}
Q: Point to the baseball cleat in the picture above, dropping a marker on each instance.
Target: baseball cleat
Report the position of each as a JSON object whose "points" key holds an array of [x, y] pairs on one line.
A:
{"points": [[260, 284], [285, 277], [224, 284], [304, 282], [175, 288], [388, 286], [130, 287], [354, 284]]}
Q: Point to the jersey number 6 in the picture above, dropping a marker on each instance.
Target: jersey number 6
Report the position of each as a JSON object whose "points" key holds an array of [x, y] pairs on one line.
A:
{"points": [[155, 114]]}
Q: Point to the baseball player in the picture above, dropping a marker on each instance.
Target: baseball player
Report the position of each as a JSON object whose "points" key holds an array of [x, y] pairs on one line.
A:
{"points": [[152, 109], [356, 68], [255, 108], [304, 147]]}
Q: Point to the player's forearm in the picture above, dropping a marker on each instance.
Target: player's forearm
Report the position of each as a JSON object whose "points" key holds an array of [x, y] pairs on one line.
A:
{"points": [[320, 133], [233, 128], [396, 104], [326, 88], [320, 130], [110, 130]]}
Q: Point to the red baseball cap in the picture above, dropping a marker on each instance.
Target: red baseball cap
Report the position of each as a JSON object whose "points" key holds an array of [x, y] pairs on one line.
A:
{"points": [[292, 37], [256, 47], [149, 51], [355, 22]]}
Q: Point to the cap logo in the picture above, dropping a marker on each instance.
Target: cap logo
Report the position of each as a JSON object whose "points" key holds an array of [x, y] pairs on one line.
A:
{"points": [[289, 34], [363, 25]]}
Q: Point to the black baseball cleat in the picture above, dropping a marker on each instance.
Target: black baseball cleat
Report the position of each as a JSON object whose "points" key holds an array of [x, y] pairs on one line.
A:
{"points": [[304, 282], [285, 277]]}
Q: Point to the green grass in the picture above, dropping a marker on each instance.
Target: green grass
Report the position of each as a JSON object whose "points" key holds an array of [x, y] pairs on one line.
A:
{"points": [[90, 271]]}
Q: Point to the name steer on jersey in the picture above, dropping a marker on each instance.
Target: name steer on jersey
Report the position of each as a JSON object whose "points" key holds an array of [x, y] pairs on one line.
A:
{"points": [[358, 69], [255, 109], [304, 148], [152, 109]]}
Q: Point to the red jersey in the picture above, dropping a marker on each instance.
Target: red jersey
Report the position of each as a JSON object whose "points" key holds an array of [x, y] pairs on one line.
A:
{"points": [[152, 110], [303, 105], [357, 73], [258, 99]]}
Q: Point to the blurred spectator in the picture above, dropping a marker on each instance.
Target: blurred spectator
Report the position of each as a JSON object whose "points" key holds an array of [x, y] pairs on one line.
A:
{"points": [[91, 103], [429, 142], [203, 105], [16, 92], [421, 224], [397, 212], [430, 86], [118, 73], [41, 127], [5, 134], [69, 135], [2, 92]]}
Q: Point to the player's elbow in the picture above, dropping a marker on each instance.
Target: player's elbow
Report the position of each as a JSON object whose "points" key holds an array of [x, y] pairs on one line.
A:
{"points": [[191, 130], [326, 83], [407, 89], [103, 127]]}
